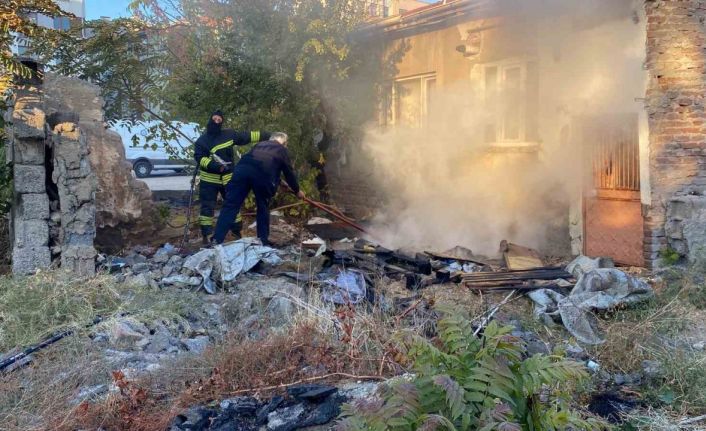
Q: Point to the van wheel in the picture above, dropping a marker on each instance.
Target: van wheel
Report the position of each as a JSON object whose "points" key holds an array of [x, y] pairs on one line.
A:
{"points": [[142, 168]]}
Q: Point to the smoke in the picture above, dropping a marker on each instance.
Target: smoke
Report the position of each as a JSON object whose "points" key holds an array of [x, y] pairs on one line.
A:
{"points": [[489, 146]]}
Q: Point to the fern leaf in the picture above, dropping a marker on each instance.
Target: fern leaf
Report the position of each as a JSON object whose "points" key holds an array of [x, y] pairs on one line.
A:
{"points": [[435, 422], [454, 395]]}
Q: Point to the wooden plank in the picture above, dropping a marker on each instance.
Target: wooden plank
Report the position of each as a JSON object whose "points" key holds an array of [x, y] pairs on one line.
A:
{"points": [[518, 257]]}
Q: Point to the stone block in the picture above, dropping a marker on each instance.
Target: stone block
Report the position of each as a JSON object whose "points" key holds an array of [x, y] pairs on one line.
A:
{"points": [[29, 123], [27, 260], [29, 179], [33, 206], [31, 233], [29, 151], [79, 259]]}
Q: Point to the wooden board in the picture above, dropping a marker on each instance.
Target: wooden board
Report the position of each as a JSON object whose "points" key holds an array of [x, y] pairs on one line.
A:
{"points": [[518, 257]]}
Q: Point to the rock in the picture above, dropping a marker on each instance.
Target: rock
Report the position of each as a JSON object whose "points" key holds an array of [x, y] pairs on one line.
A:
{"points": [[140, 344], [286, 419], [198, 344], [312, 392], [244, 406], [125, 330], [164, 254], [181, 280], [701, 345], [167, 270], [358, 390], [138, 281], [161, 341], [134, 258], [280, 311], [575, 351], [139, 268], [176, 261], [89, 394]]}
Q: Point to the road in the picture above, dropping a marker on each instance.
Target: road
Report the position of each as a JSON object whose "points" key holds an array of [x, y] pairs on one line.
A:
{"points": [[168, 181]]}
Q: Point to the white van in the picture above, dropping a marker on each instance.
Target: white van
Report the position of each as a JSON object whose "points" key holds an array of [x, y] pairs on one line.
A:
{"points": [[154, 158]]}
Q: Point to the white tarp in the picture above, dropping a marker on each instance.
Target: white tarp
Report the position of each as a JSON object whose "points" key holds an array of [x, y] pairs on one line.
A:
{"points": [[223, 263], [596, 289]]}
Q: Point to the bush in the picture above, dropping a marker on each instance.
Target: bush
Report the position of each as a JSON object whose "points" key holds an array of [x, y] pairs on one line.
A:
{"points": [[470, 383]]}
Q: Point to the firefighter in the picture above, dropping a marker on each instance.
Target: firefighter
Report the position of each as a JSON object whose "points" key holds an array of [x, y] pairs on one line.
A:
{"points": [[214, 155], [260, 171]]}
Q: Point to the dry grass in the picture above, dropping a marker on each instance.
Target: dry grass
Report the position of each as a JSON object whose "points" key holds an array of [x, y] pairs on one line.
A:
{"points": [[31, 308], [236, 367], [39, 397]]}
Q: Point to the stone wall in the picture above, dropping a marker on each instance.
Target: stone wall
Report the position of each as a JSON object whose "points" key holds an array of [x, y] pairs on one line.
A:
{"points": [[73, 188], [125, 212], [676, 61], [29, 229], [53, 215]]}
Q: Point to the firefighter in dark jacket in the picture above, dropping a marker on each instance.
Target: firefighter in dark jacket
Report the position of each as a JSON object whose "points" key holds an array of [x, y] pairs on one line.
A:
{"points": [[260, 171], [214, 154]]}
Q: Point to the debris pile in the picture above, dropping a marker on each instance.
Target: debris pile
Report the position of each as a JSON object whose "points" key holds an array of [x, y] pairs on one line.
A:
{"points": [[305, 405]]}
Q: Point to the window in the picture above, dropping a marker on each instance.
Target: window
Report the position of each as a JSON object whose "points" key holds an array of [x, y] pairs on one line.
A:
{"points": [[62, 23], [412, 100], [511, 99]]}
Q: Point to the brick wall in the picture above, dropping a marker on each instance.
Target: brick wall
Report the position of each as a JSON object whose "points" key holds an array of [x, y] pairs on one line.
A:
{"points": [[676, 52]]}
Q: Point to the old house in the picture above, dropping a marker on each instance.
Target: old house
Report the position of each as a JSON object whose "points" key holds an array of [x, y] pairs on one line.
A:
{"points": [[609, 92]]}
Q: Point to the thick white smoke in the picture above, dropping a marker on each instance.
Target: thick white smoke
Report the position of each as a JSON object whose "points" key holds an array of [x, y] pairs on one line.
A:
{"points": [[445, 185]]}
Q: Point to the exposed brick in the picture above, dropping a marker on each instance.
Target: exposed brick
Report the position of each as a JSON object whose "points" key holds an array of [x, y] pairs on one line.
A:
{"points": [[675, 106]]}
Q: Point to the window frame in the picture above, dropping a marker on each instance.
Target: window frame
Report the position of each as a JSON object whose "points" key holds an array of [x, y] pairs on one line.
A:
{"points": [[500, 119], [424, 80]]}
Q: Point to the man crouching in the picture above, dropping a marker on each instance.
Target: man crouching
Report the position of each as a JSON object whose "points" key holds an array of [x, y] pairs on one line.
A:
{"points": [[259, 170]]}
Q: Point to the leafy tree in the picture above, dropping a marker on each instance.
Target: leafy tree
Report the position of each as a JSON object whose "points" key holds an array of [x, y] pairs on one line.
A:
{"points": [[14, 24], [287, 65], [470, 383]]}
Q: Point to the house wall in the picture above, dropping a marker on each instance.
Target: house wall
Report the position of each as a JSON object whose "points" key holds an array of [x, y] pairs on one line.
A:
{"points": [[676, 50]]}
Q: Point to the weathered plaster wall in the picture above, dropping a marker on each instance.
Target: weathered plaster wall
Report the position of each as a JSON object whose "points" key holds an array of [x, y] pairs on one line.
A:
{"points": [[676, 60]]}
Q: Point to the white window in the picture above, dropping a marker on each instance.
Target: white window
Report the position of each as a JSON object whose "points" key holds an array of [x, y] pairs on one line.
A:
{"points": [[412, 99], [509, 99]]}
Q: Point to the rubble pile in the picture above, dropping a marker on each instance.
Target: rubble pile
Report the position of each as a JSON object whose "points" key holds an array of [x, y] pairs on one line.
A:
{"points": [[304, 406]]}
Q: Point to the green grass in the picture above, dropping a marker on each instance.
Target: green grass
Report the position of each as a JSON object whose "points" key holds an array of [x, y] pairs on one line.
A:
{"points": [[31, 308]]}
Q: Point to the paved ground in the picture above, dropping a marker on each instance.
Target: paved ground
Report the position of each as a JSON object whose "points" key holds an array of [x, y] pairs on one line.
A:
{"points": [[168, 181]]}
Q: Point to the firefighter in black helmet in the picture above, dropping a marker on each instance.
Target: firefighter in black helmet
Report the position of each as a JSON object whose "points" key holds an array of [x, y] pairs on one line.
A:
{"points": [[214, 155]]}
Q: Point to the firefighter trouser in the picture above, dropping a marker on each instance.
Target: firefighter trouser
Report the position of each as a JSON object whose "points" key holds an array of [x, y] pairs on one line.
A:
{"points": [[245, 179], [208, 194]]}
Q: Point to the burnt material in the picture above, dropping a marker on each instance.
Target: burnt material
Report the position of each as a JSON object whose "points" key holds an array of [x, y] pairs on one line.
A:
{"points": [[513, 278]]}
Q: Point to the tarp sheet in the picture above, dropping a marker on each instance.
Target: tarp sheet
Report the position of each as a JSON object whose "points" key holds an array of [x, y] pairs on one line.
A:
{"points": [[596, 289]]}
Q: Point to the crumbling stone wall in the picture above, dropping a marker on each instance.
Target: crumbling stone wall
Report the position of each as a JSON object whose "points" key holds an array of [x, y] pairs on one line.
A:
{"points": [[29, 230], [125, 212], [676, 60], [53, 215]]}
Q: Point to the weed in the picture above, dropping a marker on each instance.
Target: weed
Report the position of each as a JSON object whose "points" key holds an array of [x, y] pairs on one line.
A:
{"points": [[669, 256], [462, 382], [164, 212]]}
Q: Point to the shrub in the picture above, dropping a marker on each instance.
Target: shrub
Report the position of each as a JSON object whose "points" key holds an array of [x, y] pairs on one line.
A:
{"points": [[470, 383]]}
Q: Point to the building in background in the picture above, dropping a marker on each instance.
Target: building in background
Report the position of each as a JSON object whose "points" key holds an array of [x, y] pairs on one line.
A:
{"points": [[75, 7], [386, 8]]}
